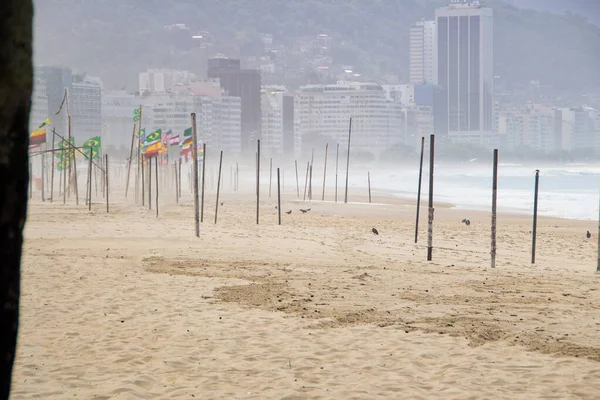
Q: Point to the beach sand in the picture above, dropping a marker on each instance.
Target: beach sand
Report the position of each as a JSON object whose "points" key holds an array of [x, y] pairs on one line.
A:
{"points": [[129, 306]]}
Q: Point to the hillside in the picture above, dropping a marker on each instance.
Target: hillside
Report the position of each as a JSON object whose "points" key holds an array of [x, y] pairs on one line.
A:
{"points": [[116, 39]]}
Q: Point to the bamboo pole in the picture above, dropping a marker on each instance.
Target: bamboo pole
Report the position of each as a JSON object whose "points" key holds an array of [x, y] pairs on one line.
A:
{"points": [[348, 161], [297, 184], [130, 159], [431, 209], [52, 172], [72, 154], [312, 159], [325, 171], [149, 183], [176, 183], [419, 189], [179, 177], [337, 157], [278, 198], [203, 181], [89, 181], [306, 180], [218, 186], [156, 173], [258, 182], [43, 177], [535, 212], [195, 168], [494, 198], [106, 177]]}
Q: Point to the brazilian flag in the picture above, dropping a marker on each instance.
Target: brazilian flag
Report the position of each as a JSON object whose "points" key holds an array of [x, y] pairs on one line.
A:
{"points": [[153, 137], [65, 155], [137, 114], [93, 145]]}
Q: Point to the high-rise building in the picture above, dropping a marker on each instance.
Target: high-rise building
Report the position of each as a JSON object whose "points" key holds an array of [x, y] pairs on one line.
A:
{"points": [[159, 81], [57, 79], [322, 114], [245, 84], [39, 105], [423, 53], [465, 71], [86, 109], [117, 118]]}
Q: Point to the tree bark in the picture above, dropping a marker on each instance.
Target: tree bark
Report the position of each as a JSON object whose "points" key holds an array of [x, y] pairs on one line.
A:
{"points": [[16, 76]]}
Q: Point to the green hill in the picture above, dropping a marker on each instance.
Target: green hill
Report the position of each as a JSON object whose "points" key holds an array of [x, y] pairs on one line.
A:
{"points": [[116, 39]]}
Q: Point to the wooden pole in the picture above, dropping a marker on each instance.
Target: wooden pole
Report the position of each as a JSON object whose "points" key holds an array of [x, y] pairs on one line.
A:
{"points": [[270, 175], [306, 180], [179, 176], [312, 159], [140, 156], [598, 262], [348, 161], [231, 183], [419, 189], [203, 181], [494, 198], [297, 184], [325, 172], [237, 177], [195, 177], [143, 179], [369, 182], [431, 209], [149, 183], [89, 181], [74, 161], [218, 186], [106, 177], [69, 140], [52, 172], [337, 158], [535, 209], [156, 174], [278, 198], [130, 159], [257, 181], [176, 183], [43, 177]]}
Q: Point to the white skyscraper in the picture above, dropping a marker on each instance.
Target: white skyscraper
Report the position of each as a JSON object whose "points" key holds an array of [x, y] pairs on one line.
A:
{"points": [[465, 68], [422, 53]]}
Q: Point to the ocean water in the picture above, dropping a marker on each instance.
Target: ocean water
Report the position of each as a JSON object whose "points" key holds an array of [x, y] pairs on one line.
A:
{"points": [[570, 191]]}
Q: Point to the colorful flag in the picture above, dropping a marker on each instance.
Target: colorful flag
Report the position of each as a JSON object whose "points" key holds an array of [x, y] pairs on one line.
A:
{"points": [[174, 140], [37, 137], [94, 145], [64, 156], [153, 148], [153, 137], [187, 133], [186, 144], [137, 113], [46, 122]]}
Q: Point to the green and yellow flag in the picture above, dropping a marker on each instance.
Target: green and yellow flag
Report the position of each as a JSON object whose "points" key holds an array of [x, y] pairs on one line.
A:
{"points": [[65, 156], [153, 137], [94, 145]]}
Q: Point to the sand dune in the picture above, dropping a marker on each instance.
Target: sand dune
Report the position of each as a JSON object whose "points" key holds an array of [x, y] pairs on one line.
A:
{"points": [[130, 306]]}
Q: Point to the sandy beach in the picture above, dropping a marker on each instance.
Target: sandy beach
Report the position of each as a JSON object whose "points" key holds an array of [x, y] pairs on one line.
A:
{"points": [[130, 306]]}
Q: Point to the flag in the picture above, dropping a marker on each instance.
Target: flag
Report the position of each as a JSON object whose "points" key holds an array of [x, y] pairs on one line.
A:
{"points": [[169, 134], [153, 148], [187, 143], [137, 114], [64, 156], [38, 136], [174, 140], [92, 144], [187, 133], [141, 133], [46, 122], [62, 104], [153, 137]]}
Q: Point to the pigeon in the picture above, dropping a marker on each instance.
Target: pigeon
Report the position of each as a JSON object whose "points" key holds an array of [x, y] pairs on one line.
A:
{"points": [[308, 209], [288, 212], [221, 203], [466, 222], [375, 231], [304, 211], [276, 207], [588, 235]]}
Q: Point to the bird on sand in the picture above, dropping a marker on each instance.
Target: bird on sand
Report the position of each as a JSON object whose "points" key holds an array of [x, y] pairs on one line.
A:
{"points": [[375, 231], [466, 222], [221, 203], [304, 211], [288, 212], [588, 235]]}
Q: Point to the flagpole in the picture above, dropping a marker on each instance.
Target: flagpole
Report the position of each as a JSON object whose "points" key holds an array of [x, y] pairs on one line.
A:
{"points": [[52, 172], [130, 157]]}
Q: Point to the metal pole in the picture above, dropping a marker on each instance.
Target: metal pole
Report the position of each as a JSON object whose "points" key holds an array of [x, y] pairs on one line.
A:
{"points": [[348, 161], [431, 209], [218, 186], [195, 169], [419, 189], [494, 198], [535, 208]]}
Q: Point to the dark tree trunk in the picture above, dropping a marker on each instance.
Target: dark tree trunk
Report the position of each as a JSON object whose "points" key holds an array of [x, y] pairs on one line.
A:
{"points": [[15, 101]]}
